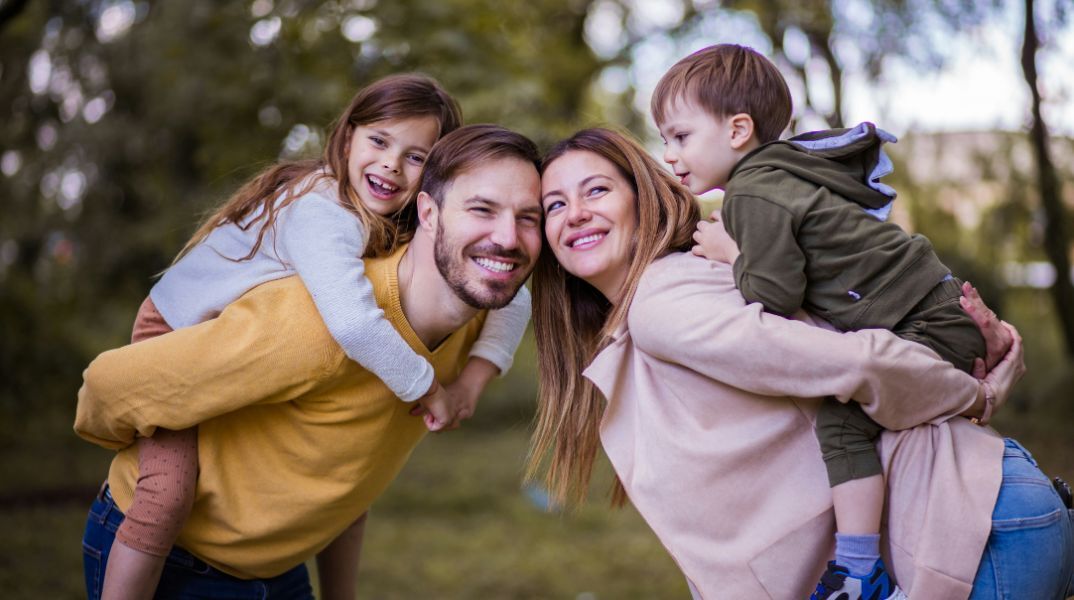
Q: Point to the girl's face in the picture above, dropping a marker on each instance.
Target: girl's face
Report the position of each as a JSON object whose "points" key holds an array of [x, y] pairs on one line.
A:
{"points": [[590, 219], [384, 160]]}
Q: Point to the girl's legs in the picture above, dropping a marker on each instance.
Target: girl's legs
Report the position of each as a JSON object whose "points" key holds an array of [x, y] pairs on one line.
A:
{"points": [[1030, 552], [163, 496]]}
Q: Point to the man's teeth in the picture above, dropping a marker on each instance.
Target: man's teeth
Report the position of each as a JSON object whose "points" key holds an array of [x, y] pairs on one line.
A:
{"points": [[495, 265], [382, 185], [587, 239]]}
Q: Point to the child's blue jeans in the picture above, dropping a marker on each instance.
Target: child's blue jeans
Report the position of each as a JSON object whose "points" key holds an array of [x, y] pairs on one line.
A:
{"points": [[185, 576], [1030, 552]]}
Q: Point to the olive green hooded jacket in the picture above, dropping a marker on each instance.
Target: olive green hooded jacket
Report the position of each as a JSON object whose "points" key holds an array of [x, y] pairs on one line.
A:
{"points": [[809, 216]]}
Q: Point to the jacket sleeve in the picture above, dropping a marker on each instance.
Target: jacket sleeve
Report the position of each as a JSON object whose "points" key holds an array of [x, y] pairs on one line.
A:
{"points": [[771, 266], [325, 243], [259, 350], [690, 314]]}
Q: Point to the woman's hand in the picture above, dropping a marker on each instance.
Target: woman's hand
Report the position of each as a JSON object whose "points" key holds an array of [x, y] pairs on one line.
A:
{"points": [[999, 382], [713, 242], [997, 338]]}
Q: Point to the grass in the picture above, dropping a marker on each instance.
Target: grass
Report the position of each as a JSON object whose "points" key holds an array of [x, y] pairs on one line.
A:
{"points": [[456, 524]]}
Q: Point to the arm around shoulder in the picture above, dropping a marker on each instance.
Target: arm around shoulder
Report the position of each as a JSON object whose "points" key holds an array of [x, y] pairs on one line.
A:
{"points": [[503, 331], [325, 243]]}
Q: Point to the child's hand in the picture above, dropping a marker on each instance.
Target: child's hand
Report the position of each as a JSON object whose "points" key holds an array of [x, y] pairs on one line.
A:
{"points": [[441, 408], [713, 242]]}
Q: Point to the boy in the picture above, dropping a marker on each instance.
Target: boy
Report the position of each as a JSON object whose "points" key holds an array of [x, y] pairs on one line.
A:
{"points": [[809, 218]]}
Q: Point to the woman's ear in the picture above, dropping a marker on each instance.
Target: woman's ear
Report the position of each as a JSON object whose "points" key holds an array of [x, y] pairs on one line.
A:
{"points": [[428, 212], [741, 130]]}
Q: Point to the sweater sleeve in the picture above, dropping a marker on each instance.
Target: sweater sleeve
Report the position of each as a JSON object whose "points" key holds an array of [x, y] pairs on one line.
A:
{"points": [[260, 350], [503, 332], [771, 266], [689, 313], [324, 243]]}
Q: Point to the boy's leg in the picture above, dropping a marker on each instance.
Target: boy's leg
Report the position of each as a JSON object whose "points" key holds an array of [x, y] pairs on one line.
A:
{"points": [[940, 323], [847, 439]]}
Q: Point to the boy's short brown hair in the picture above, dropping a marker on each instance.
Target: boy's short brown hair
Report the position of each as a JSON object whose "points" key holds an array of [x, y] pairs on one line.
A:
{"points": [[724, 80]]}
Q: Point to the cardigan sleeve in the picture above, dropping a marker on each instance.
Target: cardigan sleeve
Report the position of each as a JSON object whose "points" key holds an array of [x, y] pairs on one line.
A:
{"points": [[325, 243], [269, 346], [770, 268], [687, 311]]}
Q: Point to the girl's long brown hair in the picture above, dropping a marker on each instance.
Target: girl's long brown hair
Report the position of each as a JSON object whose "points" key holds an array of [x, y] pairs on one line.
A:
{"points": [[572, 321], [395, 97]]}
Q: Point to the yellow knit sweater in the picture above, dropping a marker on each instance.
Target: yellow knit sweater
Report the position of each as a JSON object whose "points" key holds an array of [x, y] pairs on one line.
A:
{"points": [[295, 441]]}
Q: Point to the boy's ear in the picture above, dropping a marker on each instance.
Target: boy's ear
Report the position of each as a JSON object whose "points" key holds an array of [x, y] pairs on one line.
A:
{"points": [[428, 212], [741, 126]]}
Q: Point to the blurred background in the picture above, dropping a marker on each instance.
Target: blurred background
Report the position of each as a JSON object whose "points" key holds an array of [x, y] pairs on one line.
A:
{"points": [[122, 122]]}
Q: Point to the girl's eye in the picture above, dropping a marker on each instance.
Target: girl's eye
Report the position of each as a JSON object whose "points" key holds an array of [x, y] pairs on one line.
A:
{"points": [[680, 137], [416, 159], [596, 190], [378, 141]]}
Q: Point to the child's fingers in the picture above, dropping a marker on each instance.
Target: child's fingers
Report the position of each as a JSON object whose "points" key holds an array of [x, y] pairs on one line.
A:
{"points": [[418, 409], [698, 251], [431, 423], [714, 215]]}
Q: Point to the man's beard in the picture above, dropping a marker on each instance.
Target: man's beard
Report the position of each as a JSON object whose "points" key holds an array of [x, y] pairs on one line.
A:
{"points": [[452, 266]]}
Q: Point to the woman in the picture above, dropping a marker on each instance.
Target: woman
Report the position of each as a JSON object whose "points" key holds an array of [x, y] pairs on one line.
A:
{"points": [[710, 403]]}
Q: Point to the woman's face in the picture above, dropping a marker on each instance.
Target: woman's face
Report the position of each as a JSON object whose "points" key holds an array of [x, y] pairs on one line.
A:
{"points": [[590, 219]]}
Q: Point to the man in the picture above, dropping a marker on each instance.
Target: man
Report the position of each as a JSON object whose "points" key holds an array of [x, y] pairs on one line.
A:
{"points": [[296, 441]]}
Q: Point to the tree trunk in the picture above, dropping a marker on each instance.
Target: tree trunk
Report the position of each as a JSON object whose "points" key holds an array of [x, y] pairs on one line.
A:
{"points": [[1055, 238]]}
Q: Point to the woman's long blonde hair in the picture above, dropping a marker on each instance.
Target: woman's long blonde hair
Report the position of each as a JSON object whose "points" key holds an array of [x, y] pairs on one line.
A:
{"points": [[572, 321], [401, 96]]}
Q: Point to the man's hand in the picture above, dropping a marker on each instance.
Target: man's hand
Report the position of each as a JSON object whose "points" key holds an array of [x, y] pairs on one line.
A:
{"points": [[712, 241]]}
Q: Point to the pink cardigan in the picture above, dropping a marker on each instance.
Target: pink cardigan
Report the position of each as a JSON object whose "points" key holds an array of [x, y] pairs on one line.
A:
{"points": [[709, 424]]}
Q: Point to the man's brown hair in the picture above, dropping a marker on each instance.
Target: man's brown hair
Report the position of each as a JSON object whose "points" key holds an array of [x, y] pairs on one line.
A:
{"points": [[467, 147], [725, 80]]}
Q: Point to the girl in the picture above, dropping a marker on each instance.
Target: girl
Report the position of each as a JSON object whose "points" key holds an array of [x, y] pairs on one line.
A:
{"points": [[317, 219]]}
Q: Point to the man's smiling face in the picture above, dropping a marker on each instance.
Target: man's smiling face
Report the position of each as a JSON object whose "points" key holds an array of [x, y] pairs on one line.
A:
{"points": [[488, 232]]}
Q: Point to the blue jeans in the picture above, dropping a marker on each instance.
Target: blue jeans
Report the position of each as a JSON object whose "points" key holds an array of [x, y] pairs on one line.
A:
{"points": [[185, 576], [1030, 552]]}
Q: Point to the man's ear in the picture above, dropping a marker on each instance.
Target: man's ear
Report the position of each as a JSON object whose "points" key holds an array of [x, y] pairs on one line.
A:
{"points": [[741, 126], [428, 212]]}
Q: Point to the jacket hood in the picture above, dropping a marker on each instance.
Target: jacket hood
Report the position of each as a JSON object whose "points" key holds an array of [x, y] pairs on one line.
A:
{"points": [[850, 162]]}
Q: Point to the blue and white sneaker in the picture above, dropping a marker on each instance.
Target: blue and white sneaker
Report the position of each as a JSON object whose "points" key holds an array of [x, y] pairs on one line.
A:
{"points": [[838, 584]]}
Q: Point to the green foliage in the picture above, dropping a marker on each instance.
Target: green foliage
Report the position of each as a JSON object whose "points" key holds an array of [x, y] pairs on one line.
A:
{"points": [[196, 97]]}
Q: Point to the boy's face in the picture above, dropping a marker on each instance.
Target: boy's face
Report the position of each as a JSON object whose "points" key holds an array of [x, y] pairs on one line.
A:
{"points": [[700, 148]]}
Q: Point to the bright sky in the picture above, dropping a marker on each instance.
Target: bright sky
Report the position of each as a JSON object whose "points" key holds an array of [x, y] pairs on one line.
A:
{"points": [[980, 87]]}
